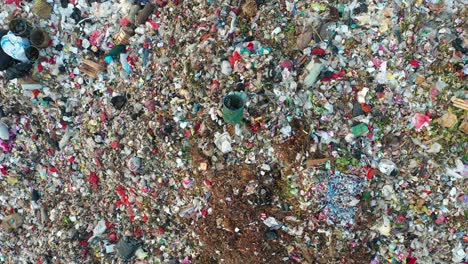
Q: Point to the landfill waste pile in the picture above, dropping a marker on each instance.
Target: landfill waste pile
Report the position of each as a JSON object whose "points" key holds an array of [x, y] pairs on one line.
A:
{"points": [[233, 131]]}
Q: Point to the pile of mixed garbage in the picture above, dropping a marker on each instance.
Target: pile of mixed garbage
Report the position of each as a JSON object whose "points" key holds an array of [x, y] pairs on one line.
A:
{"points": [[230, 131]]}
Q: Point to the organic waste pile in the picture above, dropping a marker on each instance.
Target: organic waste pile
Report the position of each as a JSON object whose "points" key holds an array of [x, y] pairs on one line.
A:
{"points": [[234, 131]]}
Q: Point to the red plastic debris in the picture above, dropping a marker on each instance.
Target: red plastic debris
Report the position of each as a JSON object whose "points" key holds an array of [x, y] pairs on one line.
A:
{"points": [[366, 108], [318, 51], [411, 260], [102, 116], [124, 22], [138, 232], [420, 120], [16, 2], [112, 237], [370, 173], [250, 46], [93, 179], [35, 92], [414, 63], [115, 144], [401, 217], [160, 230], [95, 37], [286, 64], [153, 24], [3, 170], [235, 57]]}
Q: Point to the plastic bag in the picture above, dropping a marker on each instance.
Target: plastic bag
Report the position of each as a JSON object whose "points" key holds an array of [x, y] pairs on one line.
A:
{"points": [[15, 46], [17, 71], [127, 247]]}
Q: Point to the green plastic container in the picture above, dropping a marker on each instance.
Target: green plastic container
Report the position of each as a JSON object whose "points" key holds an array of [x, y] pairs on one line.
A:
{"points": [[233, 107]]}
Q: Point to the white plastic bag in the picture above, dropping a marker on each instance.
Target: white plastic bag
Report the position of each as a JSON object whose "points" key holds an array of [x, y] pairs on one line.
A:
{"points": [[15, 46]]}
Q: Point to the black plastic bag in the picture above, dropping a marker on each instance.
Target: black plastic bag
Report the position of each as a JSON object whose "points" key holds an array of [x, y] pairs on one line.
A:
{"points": [[126, 247], [18, 71], [119, 101]]}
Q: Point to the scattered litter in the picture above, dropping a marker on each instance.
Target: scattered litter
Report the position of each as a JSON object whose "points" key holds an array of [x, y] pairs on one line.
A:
{"points": [[173, 131]]}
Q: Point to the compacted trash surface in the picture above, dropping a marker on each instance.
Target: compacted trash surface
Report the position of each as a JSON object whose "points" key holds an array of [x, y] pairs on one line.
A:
{"points": [[233, 131]]}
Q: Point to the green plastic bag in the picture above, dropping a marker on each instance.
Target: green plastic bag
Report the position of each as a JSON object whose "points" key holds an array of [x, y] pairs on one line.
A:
{"points": [[360, 130]]}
